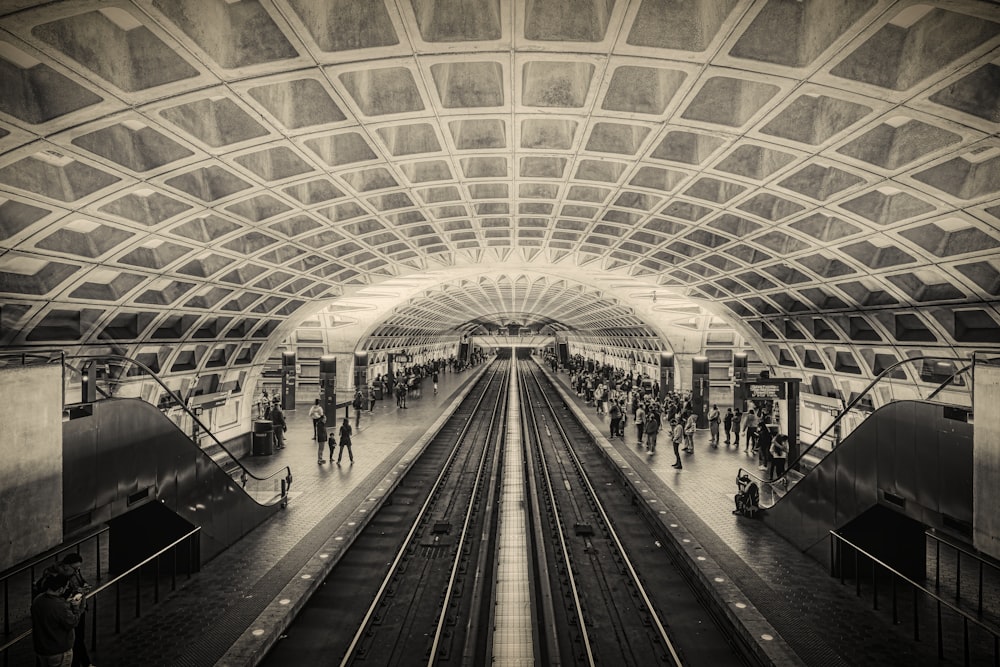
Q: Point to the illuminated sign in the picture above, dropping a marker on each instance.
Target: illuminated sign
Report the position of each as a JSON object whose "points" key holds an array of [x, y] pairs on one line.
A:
{"points": [[766, 391]]}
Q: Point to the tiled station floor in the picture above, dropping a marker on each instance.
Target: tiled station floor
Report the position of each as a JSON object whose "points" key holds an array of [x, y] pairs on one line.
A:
{"points": [[243, 598]]}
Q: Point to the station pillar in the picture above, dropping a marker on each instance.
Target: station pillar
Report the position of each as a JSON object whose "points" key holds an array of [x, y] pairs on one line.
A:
{"points": [[328, 387], [288, 380], [700, 390], [740, 376], [666, 374], [361, 372]]}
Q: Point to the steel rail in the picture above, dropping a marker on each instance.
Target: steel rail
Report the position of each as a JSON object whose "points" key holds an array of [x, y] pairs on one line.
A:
{"points": [[658, 622], [560, 528], [500, 410], [400, 555]]}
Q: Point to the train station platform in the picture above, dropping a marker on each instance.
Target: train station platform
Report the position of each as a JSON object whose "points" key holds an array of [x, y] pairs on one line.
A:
{"points": [[823, 621], [224, 614], [242, 600]]}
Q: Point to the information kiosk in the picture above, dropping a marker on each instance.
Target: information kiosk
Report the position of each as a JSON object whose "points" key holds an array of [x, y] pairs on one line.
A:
{"points": [[779, 398]]}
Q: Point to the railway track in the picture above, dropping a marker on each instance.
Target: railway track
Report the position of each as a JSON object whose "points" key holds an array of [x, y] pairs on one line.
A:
{"points": [[622, 600], [509, 541]]}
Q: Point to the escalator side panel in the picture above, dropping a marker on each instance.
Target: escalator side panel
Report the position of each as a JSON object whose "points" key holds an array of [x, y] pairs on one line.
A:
{"points": [[128, 445], [926, 453], [908, 450], [956, 488]]}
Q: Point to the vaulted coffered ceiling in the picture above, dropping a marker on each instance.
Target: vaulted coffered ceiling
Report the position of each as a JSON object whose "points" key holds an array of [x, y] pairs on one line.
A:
{"points": [[821, 174]]}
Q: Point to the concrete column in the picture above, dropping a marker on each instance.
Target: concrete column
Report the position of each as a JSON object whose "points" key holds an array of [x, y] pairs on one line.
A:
{"points": [[986, 459]]}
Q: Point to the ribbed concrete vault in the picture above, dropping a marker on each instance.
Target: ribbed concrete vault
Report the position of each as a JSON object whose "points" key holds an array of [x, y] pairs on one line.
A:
{"points": [[190, 179]]}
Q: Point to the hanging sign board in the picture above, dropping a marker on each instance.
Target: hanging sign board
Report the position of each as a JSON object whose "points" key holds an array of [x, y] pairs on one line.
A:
{"points": [[773, 392]]}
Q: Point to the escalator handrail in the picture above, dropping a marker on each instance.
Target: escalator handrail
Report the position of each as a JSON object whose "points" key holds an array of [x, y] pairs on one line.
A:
{"points": [[843, 413], [177, 399]]}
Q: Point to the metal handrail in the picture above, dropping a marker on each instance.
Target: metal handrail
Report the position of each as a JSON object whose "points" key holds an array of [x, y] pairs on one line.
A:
{"points": [[110, 582], [177, 399], [32, 564], [966, 617], [791, 465], [62, 547], [959, 550], [113, 581]]}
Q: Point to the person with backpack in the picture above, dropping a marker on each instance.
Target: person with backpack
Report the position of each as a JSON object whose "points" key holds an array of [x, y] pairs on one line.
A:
{"points": [[651, 428], [279, 424]]}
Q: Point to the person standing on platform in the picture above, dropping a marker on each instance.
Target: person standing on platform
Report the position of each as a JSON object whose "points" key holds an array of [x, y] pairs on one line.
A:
{"points": [[737, 416], [727, 423], [345, 440], [640, 421], [749, 428], [278, 421], [72, 566], [321, 438], [651, 428], [53, 622], [713, 425], [676, 437], [764, 440], [434, 379], [356, 404], [614, 417], [689, 427], [316, 413], [779, 456]]}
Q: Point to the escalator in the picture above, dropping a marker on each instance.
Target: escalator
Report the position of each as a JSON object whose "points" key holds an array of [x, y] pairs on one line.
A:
{"points": [[907, 466], [123, 455]]}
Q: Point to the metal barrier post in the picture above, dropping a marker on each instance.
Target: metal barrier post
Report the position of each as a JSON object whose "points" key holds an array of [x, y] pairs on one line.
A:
{"points": [[980, 605], [874, 586], [940, 632], [958, 575], [895, 606], [118, 608]]}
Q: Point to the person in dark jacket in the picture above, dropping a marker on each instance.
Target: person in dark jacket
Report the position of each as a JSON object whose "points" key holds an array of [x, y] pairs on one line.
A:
{"points": [[727, 423], [278, 420], [321, 438], [53, 622], [345, 440]]}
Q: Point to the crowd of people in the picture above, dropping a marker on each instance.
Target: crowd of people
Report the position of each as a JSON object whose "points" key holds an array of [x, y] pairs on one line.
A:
{"points": [[622, 395]]}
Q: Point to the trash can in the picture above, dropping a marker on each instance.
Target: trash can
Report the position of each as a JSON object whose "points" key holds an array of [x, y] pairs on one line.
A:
{"points": [[263, 438]]}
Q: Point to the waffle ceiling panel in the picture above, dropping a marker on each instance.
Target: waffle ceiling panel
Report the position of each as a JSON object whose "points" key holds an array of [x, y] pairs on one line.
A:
{"points": [[817, 170]]}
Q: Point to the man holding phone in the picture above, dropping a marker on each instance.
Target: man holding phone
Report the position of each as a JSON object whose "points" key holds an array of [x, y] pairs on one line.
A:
{"points": [[53, 622]]}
